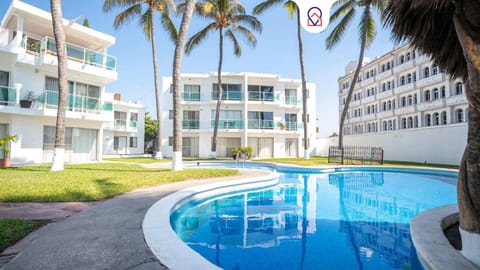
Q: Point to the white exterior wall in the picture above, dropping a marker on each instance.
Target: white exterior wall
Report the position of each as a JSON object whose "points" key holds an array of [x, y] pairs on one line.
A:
{"points": [[440, 145], [206, 105]]}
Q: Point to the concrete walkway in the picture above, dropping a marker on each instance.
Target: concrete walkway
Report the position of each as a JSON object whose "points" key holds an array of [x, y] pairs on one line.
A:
{"points": [[107, 235]]}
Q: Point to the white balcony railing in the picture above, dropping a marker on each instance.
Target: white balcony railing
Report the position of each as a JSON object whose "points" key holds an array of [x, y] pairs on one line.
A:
{"points": [[431, 80], [431, 105], [405, 110], [456, 100], [404, 88], [407, 65]]}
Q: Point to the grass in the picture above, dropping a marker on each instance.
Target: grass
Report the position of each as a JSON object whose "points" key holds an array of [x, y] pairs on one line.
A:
{"points": [[323, 161], [143, 160], [89, 182], [12, 230]]}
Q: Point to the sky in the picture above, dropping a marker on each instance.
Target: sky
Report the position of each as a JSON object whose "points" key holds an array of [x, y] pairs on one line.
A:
{"points": [[276, 52]]}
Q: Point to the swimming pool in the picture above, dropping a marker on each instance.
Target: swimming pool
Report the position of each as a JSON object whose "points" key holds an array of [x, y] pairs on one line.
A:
{"points": [[344, 218]]}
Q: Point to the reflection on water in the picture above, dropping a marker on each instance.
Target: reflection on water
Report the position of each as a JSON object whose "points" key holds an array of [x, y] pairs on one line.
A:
{"points": [[335, 221]]}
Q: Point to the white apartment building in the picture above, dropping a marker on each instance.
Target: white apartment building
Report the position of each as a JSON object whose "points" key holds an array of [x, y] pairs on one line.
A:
{"points": [[29, 88], [259, 110], [402, 99]]}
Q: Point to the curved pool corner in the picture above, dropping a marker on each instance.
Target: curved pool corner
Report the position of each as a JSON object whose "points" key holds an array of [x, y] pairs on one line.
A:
{"points": [[162, 240]]}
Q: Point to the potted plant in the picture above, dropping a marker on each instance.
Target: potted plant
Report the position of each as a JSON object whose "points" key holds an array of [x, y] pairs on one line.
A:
{"points": [[247, 151], [4, 144], [236, 153], [281, 125], [26, 102]]}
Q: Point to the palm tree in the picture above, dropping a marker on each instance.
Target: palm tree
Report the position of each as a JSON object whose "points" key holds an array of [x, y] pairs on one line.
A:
{"points": [[59, 34], [293, 8], [227, 18], [345, 12], [134, 8], [449, 32], [177, 60]]}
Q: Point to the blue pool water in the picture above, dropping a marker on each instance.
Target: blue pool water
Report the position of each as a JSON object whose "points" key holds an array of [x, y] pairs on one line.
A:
{"points": [[353, 219]]}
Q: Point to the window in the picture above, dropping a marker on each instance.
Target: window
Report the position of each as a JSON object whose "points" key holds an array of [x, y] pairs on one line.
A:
{"points": [[404, 101], [133, 116], [458, 88], [384, 106], [385, 125], [410, 100], [402, 59], [404, 123], [191, 119], [436, 119], [260, 120], [427, 96], [415, 99], [410, 122], [133, 142], [459, 114], [444, 118], [228, 119], [389, 105], [428, 120], [258, 92], [409, 78], [230, 91], [291, 121], [383, 68], [434, 70], [191, 92], [49, 138], [426, 72], [171, 114], [388, 66], [415, 119], [402, 80], [442, 92], [436, 94], [120, 119], [290, 96], [414, 76], [408, 56]]}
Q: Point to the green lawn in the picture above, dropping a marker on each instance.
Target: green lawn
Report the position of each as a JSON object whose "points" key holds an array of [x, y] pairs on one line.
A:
{"points": [[12, 230], [138, 160], [323, 161], [89, 182]]}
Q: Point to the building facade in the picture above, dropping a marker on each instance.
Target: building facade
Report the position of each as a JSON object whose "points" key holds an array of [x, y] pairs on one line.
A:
{"points": [[404, 95], [263, 111], [29, 87]]}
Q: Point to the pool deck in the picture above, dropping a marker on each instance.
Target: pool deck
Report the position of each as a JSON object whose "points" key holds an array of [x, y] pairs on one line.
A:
{"points": [[106, 235]]}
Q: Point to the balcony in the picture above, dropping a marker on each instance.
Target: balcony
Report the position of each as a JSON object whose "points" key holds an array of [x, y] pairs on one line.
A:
{"points": [[383, 75], [384, 114], [355, 120], [8, 96], [385, 94], [367, 82], [228, 95], [367, 100], [227, 124], [260, 124], [404, 88], [191, 124], [75, 103], [369, 117], [431, 80], [120, 124], [259, 96], [405, 110], [190, 96], [292, 126], [293, 100], [439, 103], [406, 65], [454, 100], [133, 124]]}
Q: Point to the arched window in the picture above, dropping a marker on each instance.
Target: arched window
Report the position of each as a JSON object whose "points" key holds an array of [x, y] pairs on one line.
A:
{"points": [[388, 66], [384, 105], [383, 68], [436, 119], [426, 72], [384, 125], [368, 109], [434, 70], [410, 100], [458, 88], [410, 122], [415, 121], [415, 98], [404, 123], [402, 59], [444, 117], [427, 95], [428, 120], [404, 101], [369, 128], [459, 113], [402, 80], [384, 88], [409, 78], [407, 58], [390, 125], [389, 85], [435, 93], [389, 105], [414, 76], [442, 91]]}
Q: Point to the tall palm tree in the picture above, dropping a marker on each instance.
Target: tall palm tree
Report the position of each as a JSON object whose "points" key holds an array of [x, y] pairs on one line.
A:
{"points": [[135, 8], [177, 61], [60, 41], [449, 32], [345, 12], [292, 8], [227, 18]]}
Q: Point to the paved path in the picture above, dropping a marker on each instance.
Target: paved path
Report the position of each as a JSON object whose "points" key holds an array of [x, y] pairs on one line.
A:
{"points": [[107, 235]]}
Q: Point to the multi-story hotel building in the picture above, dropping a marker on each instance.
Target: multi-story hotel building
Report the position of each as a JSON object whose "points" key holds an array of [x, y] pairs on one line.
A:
{"points": [[404, 95], [259, 110], [29, 89]]}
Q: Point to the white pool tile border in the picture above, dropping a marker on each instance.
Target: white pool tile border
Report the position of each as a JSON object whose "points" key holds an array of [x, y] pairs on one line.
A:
{"points": [[164, 243]]}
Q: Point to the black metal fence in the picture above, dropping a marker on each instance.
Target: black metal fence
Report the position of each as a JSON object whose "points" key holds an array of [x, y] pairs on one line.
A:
{"points": [[353, 154]]}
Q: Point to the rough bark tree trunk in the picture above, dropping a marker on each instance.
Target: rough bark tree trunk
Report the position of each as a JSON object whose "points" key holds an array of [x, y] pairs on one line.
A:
{"points": [[213, 151], [59, 33], [158, 139], [306, 154]]}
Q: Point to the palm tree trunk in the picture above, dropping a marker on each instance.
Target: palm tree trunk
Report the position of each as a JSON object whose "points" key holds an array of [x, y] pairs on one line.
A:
{"points": [[177, 61], [59, 33], [352, 85], [306, 154], [468, 188], [158, 139], [219, 97]]}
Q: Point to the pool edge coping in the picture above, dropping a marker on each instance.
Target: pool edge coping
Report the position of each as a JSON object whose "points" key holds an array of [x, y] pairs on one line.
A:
{"points": [[162, 240]]}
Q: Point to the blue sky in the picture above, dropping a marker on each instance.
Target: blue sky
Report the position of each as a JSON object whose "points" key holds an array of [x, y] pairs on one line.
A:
{"points": [[276, 52]]}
